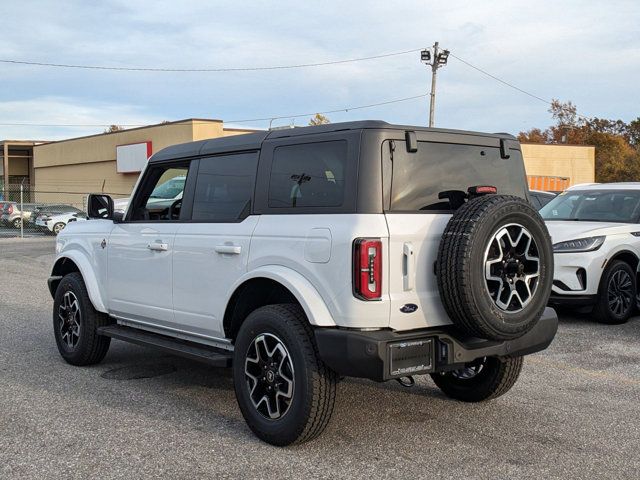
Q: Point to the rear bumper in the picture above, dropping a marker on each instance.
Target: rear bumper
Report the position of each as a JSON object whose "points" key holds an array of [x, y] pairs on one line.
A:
{"points": [[385, 354]]}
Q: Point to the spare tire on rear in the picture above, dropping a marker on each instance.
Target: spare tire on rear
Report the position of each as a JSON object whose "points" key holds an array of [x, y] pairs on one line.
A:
{"points": [[495, 267]]}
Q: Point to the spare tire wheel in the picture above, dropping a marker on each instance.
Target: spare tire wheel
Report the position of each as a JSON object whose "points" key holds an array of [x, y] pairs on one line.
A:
{"points": [[495, 267]]}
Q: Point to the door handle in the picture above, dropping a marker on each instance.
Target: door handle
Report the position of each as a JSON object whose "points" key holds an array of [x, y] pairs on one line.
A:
{"points": [[408, 267], [158, 247], [231, 249]]}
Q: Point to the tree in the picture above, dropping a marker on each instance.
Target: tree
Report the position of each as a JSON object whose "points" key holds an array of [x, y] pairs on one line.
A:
{"points": [[113, 128], [319, 119], [535, 135], [617, 143]]}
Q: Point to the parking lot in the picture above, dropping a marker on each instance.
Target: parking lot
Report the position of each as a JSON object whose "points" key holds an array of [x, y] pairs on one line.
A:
{"points": [[10, 232], [574, 412]]}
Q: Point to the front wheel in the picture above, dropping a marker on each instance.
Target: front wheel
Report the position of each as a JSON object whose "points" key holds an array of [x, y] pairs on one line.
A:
{"points": [[284, 390], [484, 379], [17, 223], [617, 294], [75, 323]]}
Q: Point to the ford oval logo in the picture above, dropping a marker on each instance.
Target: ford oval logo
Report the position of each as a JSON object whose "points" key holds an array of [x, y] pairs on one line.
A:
{"points": [[409, 308]]}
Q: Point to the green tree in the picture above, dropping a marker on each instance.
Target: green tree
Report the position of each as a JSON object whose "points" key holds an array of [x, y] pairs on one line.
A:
{"points": [[113, 128], [319, 119]]}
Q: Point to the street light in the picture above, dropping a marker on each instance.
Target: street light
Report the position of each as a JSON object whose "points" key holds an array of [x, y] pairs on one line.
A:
{"points": [[438, 60]]}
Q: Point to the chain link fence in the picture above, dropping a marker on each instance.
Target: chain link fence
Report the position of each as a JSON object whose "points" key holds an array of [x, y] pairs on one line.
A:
{"points": [[27, 211]]}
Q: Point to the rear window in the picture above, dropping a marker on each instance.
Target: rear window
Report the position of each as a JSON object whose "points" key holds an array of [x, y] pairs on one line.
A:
{"points": [[418, 178], [308, 175]]}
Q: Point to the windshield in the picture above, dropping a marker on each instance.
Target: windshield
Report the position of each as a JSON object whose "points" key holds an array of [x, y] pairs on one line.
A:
{"points": [[169, 189], [620, 206]]}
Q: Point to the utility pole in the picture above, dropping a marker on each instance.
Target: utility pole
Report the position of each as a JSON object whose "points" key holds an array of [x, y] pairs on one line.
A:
{"points": [[436, 61]]}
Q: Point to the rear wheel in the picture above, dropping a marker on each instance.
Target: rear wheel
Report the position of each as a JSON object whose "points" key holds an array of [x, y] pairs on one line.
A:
{"points": [[484, 379], [617, 294], [285, 392], [75, 323], [57, 228], [17, 223]]}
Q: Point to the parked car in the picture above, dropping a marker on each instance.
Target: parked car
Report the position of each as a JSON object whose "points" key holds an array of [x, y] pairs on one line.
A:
{"points": [[163, 195], [13, 216], [55, 217], [540, 198], [358, 249], [596, 239], [5, 208]]}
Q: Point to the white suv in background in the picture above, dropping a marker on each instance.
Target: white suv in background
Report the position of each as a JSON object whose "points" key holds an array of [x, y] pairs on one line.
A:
{"points": [[301, 256], [596, 234]]}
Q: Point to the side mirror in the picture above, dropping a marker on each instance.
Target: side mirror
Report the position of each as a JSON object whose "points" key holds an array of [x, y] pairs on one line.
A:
{"points": [[100, 206]]}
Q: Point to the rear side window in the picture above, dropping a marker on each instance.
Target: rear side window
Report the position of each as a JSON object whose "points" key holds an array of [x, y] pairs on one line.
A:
{"points": [[419, 178], [224, 187], [308, 175]]}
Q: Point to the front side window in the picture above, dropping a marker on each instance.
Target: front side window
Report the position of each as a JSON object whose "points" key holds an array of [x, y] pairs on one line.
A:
{"points": [[160, 197], [308, 175], [620, 206], [224, 187]]}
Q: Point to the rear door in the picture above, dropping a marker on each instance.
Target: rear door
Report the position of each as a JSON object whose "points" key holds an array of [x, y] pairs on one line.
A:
{"points": [[417, 212], [211, 250]]}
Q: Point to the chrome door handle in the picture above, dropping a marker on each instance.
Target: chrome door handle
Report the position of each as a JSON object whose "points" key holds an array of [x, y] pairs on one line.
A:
{"points": [[231, 249], [158, 247]]}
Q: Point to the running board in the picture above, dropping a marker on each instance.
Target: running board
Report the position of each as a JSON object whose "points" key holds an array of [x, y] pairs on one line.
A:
{"points": [[195, 351]]}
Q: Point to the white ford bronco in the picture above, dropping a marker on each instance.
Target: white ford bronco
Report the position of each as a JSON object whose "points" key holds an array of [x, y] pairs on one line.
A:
{"points": [[302, 256]]}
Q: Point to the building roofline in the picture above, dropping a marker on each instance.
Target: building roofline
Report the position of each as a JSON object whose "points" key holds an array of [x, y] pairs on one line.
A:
{"points": [[23, 142], [557, 144], [175, 122]]}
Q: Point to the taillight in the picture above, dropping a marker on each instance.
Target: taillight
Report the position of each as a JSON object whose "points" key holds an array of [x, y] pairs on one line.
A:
{"points": [[10, 209], [367, 268]]}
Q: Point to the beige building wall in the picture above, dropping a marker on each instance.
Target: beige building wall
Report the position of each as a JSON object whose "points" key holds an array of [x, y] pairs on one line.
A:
{"points": [[575, 162], [65, 171]]}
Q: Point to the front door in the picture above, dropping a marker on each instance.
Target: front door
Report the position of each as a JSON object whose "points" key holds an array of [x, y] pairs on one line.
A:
{"points": [[140, 249], [211, 250]]}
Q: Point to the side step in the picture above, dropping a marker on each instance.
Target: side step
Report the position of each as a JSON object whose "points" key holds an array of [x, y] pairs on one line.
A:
{"points": [[195, 351]]}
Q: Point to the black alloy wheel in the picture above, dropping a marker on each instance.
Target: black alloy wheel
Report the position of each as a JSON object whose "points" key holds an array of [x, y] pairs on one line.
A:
{"points": [[617, 294], [69, 320]]}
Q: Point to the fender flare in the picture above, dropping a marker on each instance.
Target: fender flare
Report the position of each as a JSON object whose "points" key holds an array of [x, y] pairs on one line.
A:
{"points": [[90, 280], [623, 249], [302, 289]]}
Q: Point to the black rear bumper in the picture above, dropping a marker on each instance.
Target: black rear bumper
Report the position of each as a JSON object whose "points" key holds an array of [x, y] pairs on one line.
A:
{"points": [[385, 354]]}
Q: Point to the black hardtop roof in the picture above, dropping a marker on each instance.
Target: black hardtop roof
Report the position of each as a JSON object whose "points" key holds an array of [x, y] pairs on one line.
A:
{"points": [[253, 141]]}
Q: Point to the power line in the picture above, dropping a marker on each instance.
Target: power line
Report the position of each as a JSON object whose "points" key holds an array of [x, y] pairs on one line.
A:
{"points": [[548, 102], [246, 120], [504, 82], [206, 69]]}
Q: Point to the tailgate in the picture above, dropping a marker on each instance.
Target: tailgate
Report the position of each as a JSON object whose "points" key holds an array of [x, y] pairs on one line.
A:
{"points": [[413, 248]]}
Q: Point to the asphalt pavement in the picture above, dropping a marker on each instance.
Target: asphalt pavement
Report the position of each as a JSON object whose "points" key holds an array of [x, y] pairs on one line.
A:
{"points": [[575, 412]]}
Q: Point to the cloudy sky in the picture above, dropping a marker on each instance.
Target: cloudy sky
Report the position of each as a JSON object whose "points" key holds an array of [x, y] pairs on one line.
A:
{"points": [[584, 51]]}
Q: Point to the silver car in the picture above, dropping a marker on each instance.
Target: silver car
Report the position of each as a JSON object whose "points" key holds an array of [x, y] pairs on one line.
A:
{"points": [[12, 214]]}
